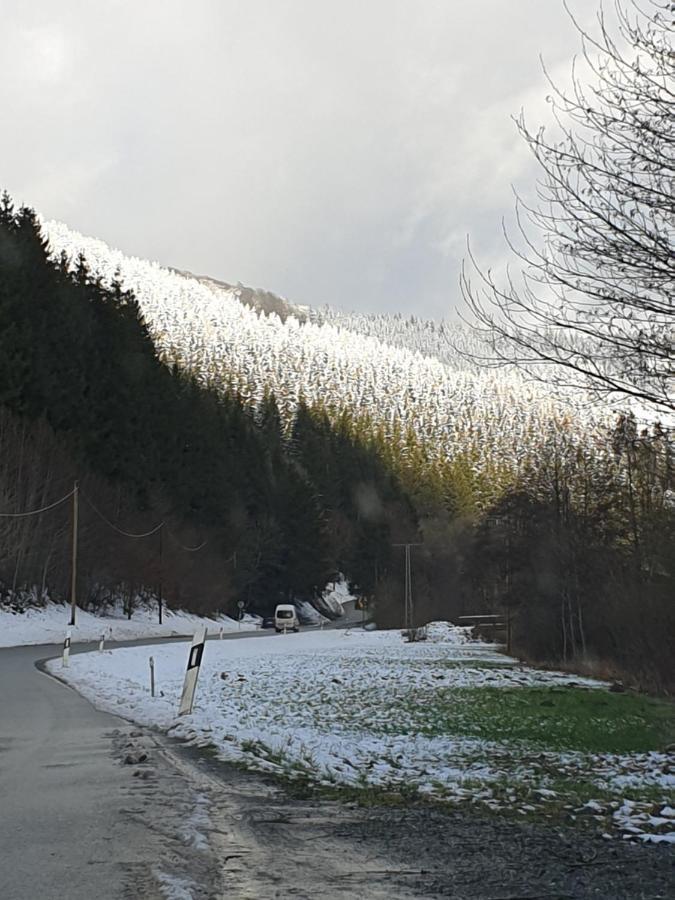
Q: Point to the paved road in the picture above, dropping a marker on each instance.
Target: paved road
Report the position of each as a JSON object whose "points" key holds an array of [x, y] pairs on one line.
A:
{"points": [[60, 790], [65, 827]]}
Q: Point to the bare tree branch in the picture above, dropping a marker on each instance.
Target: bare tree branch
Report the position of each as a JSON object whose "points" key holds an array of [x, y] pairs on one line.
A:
{"points": [[594, 307]]}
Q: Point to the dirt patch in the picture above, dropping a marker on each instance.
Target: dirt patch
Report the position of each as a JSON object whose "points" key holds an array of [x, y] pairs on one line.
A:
{"points": [[268, 843]]}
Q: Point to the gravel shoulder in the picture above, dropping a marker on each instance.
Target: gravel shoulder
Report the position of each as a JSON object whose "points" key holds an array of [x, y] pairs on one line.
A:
{"points": [[271, 844]]}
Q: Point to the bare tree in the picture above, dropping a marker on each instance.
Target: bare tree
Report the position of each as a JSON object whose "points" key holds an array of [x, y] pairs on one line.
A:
{"points": [[595, 305]]}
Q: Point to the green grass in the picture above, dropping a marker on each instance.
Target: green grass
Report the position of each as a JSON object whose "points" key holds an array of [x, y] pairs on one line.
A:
{"points": [[551, 718]]}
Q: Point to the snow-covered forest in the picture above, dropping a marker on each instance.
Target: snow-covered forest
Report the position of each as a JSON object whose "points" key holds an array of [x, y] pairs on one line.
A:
{"points": [[402, 374], [467, 445], [228, 453]]}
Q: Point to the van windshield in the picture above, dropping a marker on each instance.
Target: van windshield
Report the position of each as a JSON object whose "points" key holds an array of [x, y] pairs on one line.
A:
{"points": [[285, 614]]}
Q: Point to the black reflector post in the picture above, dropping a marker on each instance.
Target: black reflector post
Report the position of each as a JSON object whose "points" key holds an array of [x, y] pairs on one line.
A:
{"points": [[192, 673]]}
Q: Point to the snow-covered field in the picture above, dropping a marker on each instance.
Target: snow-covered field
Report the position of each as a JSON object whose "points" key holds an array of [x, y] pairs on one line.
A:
{"points": [[368, 710], [48, 625]]}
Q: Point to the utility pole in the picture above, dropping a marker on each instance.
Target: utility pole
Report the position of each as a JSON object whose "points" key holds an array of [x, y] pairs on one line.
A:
{"points": [[161, 529], [408, 610], [73, 574]]}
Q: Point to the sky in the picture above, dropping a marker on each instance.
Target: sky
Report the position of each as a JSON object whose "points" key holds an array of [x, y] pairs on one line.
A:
{"points": [[333, 152]]}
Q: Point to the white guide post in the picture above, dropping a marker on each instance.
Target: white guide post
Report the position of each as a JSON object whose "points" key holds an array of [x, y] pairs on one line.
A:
{"points": [[192, 673], [65, 661], [152, 676], [101, 643]]}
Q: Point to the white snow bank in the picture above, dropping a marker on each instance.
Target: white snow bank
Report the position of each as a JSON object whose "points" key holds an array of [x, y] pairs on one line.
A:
{"points": [[445, 633], [308, 614], [334, 597], [48, 625]]}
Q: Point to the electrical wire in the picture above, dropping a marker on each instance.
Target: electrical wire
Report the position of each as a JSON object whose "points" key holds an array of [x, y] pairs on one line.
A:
{"points": [[36, 512], [129, 534], [187, 549], [143, 534], [121, 531]]}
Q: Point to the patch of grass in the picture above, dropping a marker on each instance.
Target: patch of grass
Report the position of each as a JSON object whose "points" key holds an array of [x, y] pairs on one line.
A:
{"points": [[552, 718]]}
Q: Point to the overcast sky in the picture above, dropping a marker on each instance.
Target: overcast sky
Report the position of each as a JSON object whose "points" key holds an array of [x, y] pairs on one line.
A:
{"points": [[335, 151]]}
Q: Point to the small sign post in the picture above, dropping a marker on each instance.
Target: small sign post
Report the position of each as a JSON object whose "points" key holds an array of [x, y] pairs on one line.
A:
{"points": [[66, 650], [240, 604], [101, 643], [192, 672]]}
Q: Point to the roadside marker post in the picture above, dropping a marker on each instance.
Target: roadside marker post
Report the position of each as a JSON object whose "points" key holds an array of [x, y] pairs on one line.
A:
{"points": [[152, 676], [65, 661], [101, 643], [192, 672], [221, 632]]}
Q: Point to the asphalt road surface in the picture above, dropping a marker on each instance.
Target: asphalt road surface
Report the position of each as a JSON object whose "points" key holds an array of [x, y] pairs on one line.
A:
{"points": [[70, 825], [62, 832], [74, 823]]}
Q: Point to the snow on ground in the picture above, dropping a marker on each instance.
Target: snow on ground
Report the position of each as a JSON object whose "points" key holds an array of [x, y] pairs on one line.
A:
{"points": [[307, 614], [361, 709], [173, 887], [48, 625], [334, 598], [445, 633]]}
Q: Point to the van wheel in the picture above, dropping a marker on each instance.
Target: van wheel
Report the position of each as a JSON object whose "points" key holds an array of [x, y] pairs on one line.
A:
{"points": [[296, 630]]}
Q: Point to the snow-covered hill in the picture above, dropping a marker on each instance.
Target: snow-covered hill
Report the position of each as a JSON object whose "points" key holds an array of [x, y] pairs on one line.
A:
{"points": [[402, 372], [454, 344]]}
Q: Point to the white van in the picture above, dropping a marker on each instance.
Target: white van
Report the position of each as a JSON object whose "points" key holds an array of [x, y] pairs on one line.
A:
{"points": [[286, 618]]}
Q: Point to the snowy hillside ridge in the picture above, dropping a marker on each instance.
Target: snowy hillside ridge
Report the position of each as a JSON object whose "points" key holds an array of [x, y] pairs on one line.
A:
{"points": [[48, 625], [495, 417], [365, 709], [440, 340], [257, 298], [452, 343]]}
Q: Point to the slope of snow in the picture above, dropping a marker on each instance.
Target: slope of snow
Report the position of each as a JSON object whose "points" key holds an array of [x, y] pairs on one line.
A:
{"points": [[334, 597], [337, 708], [452, 343], [495, 418], [48, 625]]}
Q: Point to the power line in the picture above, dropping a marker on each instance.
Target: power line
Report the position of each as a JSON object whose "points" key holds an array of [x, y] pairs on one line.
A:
{"points": [[187, 549], [104, 518], [35, 512], [143, 534], [121, 531]]}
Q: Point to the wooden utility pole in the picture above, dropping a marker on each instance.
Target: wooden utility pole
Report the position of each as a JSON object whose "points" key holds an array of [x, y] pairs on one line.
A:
{"points": [[161, 564], [73, 573], [408, 610]]}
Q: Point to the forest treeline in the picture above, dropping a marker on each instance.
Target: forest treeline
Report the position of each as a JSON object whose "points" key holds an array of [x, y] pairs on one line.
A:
{"points": [[578, 548], [84, 397]]}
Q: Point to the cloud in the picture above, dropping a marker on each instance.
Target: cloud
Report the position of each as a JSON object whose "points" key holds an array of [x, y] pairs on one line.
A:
{"points": [[334, 152]]}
